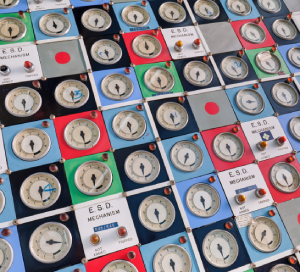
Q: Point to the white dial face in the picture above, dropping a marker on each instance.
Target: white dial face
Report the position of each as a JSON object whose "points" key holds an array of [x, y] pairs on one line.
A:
{"points": [[106, 52], [31, 144], [203, 200], [285, 95], [7, 4], [54, 24], [12, 29], [253, 33], [264, 234], [159, 80], [142, 167], [172, 258], [156, 213], [272, 6], [50, 242], [228, 147], [96, 20], [172, 12], [234, 68], [6, 255], [146, 46], [119, 266], [270, 65], [220, 248], [249, 101], [294, 127], [23, 102], [186, 156], [135, 16], [284, 29], [2, 203], [282, 268], [239, 7], [207, 9], [198, 73], [93, 178], [294, 56]]}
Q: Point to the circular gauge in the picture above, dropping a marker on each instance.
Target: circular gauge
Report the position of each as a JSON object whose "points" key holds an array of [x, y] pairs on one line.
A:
{"points": [[172, 116], [264, 234], [50, 242], [12, 29], [294, 56], [142, 167], [250, 101], [234, 68], [253, 33], [146, 46], [6, 255], [271, 65], [96, 20], [203, 200], [284, 29], [54, 24], [40, 191], [134, 15], [284, 94], [239, 7], [93, 178], [220, 248], [2, 204], [23, 102], [159, 80], [31, 144], [198, 73], [207, 9], [294, 127], [156, 213], [106, 52], [71, 94], [119, 266], [172, 12], [129, 125], [7, 4], [170, 258], [186, 156], [282, 268], [228, 147], [271, 6]]}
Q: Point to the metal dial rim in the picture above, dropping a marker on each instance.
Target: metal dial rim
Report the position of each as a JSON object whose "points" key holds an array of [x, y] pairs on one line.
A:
{"points": [[282, 265], [8, 7], [11, 253], [290, 56], [229, 76], [100, 11], [168, 20], [143, 56], [3, 201], [267, 10], [289, 86], [201, 63], [296, 137], [257, 62], [119, 260], [238, 13], [203, 17], [131, 24], [64, 32], [18, 38], [285, 22], [241, 108], [157, 67], [257, 26]]}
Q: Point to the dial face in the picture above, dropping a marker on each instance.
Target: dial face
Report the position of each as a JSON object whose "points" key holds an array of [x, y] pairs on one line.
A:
{"points": [[220, 248], [186, 156], [253, 33], [156, 213], [285, 177], [93, 178], [172, 116], [135, 16], [250, 101], [294, 56], [228, 147], [264, 234], [142, 167], [270, 65], [82, 134], [40, 191], [285, 94], [31, 144], [71, 94], [12, 29], [159, 80], [207, 9], [146, 46], [119, 266], [284, 29], [203, 200], [2, 204], [271, 6], [6, 255], [234, 68], [294, 127], [50, 242], [172, 12], [170, 258], [54, 24], [106, 52], [282, 268], [96, 20], [239, 7], [198, 73], [7, 4], [129, 125], [23, 102]]}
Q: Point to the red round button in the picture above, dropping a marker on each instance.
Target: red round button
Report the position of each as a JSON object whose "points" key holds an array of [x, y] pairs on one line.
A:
{"points": [[211, 108], [62, 57]]}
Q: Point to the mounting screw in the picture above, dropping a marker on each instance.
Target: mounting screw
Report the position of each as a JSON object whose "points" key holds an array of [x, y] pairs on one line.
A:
{"points": [[275, 204], [72, 208], [80, 36], [157, 139], [276, 114], [144, 100], [124, 194], [16, 222], [253, 265], [229, 20], [112, 150], [239, 122], [84, 260], [89, 71], [62, 160], [29, 10], [295, 249], [43, 78], [256, 161], [52, 116], [216, 171], [224, 87], [172, 182], [196, 24], [1, 126], [7, 171], [294, 152], [188, 230]]}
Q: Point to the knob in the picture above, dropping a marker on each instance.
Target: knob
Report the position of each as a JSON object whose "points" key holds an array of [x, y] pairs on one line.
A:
{"points": [[260, 192], [262, 145], [197, 43], [240, 199], [95, 239], [122, 232], [280, 140], [4, 70], [28, 66], [178, 46]]}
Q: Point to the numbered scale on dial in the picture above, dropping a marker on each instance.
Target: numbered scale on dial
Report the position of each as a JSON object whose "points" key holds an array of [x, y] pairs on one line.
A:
{"points": [[271, 6], [172, 12], [6, 255], [120, 266], [284, 29], [7, 4], [198, 73], [294, 56], [253, 33], [135, 16], [282, 268], [250, 101], [268, 62], [234, 68], [207, 9], [294, 127], [54, 24], [2, 201], [146, 46], [96, 20], [12, 29], [285, 95], [239, 7], [159, 80]]}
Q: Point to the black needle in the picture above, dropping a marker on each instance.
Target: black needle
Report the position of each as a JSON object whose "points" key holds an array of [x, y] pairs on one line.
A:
{"points": [[283, 31], [228, 148], [96, 22], [9, 30], [24, 103], [142, 167], [72, 95], [41, 190], [82, 135], [202, 199], [106, 53], [186, 156], [263, 234], [250, 101], [197, 74], [233, 68], [93, 178], [51, 242], [54, 24], [146, 46], [220, 249], [159, 81], [172, 117], [253, 34], [172, 264], [117, 88], [129, 126], [135, 17], [268, 64], [284, 95], [285, 178], [172, 13], [156, 212], [31, 143]]}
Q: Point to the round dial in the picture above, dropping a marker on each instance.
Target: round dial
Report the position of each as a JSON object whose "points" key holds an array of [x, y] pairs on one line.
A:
{"points": [[134, 15], [106, 52], [284, 29], [285, 177], [54, 24], [31, 144], [2, 203], [239, 7], [207, 9], [23, 102], [93, 178], [203, 200], [40, 191], [234, 68], [156, 213], [282, 268], [6, 255], [186, 156], [50, 242], [285, 94], [159, 80], [172, 116], [294, 127], [142, 167], [172, 12], [71, 94], [7, 4], [198, 73], [228, 147], [129, 125], [220, 248], [250, 101], [264, 234], [96, 20], [253, 33], [12, 29], [119, 266], [294, 56], [170, 258], [146, 46], [270, 65], [271, 6]]}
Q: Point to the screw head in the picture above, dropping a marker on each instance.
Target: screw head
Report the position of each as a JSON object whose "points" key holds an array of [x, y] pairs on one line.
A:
{"points": [[93, 114], [131, 255]]}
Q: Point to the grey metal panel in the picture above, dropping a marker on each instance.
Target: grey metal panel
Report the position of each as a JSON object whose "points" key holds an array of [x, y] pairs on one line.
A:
{"points": [[292, 5]]}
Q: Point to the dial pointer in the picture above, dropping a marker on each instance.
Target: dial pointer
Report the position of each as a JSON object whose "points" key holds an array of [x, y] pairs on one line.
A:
{"points": [[51, 242], [228, 148], [186, 156], [220, 249], [31, 143], [172, 13], [129, 126], [202, 200], [156, 212], [172, 264], [142, 167], [72, 95], [172, 117], [96, 22], [9, 30], [117, 88], [82, 135], [41, 190], [285, 179], [54, 24], [263, 234], [24, 103], [93, 178]]}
